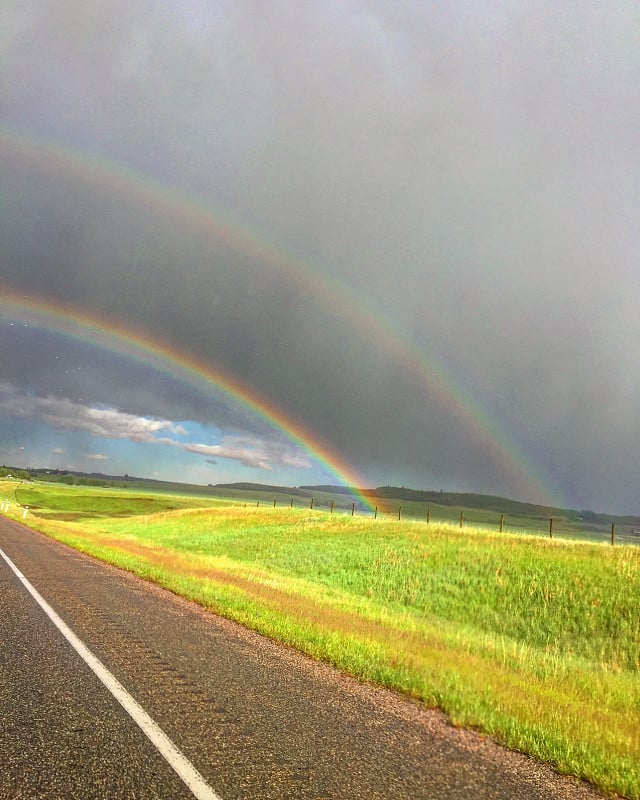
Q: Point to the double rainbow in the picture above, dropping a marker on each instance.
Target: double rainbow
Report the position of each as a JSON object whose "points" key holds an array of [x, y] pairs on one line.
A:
{"points": [[199, 218]]}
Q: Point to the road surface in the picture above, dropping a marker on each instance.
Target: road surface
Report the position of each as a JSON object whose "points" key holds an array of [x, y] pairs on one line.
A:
{"points": [[252, 718]]}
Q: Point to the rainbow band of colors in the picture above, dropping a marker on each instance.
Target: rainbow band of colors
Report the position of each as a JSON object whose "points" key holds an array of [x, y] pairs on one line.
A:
{"points": [[74, 324]]}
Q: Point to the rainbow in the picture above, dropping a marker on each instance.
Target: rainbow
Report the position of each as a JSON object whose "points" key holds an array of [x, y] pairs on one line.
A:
{"points": [[74, 324], [198, 217]]}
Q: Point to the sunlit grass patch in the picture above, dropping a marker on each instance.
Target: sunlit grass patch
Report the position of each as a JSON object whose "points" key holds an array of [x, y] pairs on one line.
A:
{"points": [[532, 640]]}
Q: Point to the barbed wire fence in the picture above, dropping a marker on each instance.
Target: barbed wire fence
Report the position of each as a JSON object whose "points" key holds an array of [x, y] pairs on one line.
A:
{"points": [[551, 527]]}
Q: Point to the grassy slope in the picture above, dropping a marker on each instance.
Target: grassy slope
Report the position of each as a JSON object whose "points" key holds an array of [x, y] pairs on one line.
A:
{"points": [[534, 641]]}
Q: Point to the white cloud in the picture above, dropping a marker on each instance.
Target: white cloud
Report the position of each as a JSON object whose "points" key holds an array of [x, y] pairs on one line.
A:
{"points": [[252, 452], [246, 456], [65, 414], [108, 423]]}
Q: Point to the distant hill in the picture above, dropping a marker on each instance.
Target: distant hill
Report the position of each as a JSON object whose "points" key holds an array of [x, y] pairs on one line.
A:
{"points": [[95, 479], [501, 505], [468, 499], [325, 487], [263, 487]]}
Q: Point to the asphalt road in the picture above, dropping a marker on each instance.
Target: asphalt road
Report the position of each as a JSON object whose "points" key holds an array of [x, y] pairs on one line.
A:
{"points": [[255, 719]]}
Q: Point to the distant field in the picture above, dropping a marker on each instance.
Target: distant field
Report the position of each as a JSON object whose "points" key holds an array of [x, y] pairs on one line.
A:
{"points": [[534, 641], [479, 510]]}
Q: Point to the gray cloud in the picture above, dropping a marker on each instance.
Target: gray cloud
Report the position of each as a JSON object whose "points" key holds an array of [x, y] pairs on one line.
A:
{"points": [[431, 202]]}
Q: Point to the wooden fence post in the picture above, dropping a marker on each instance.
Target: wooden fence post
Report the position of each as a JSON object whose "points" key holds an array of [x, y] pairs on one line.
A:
{"points": [[613, 533], [501, 522], [428, 515], [332, 502], [461, 518], [291, 506], [375, 513], [274, 502], [551, 528], [311, 503], [399, 511], [353, 509]]}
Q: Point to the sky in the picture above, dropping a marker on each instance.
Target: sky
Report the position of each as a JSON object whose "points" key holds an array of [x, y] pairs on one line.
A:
{"points": [[384, 243]]}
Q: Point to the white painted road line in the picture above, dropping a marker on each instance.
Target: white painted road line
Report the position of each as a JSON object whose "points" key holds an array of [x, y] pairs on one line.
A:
{"points": [[167, 749]]}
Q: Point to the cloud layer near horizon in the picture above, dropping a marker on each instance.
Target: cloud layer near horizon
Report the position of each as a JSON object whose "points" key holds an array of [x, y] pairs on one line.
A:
{"points": [[64, 414], [435, 206]]}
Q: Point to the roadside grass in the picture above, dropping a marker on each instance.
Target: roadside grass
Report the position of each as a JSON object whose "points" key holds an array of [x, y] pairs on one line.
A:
{"points": [[533, 641]]}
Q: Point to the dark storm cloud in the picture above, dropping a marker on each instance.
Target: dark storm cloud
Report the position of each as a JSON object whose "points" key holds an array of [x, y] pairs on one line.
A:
{"points": [[467, 174]]}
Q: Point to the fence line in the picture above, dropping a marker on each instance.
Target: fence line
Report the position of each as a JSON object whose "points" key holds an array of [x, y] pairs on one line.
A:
{"points": [[632, 536], [503, 525]]}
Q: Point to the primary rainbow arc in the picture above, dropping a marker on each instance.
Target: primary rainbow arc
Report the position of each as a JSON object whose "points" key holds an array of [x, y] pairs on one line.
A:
{"points": [[134, 344]]}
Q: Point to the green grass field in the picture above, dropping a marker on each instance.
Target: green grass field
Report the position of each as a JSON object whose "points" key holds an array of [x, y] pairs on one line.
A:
{"points": [[533, 641]]}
